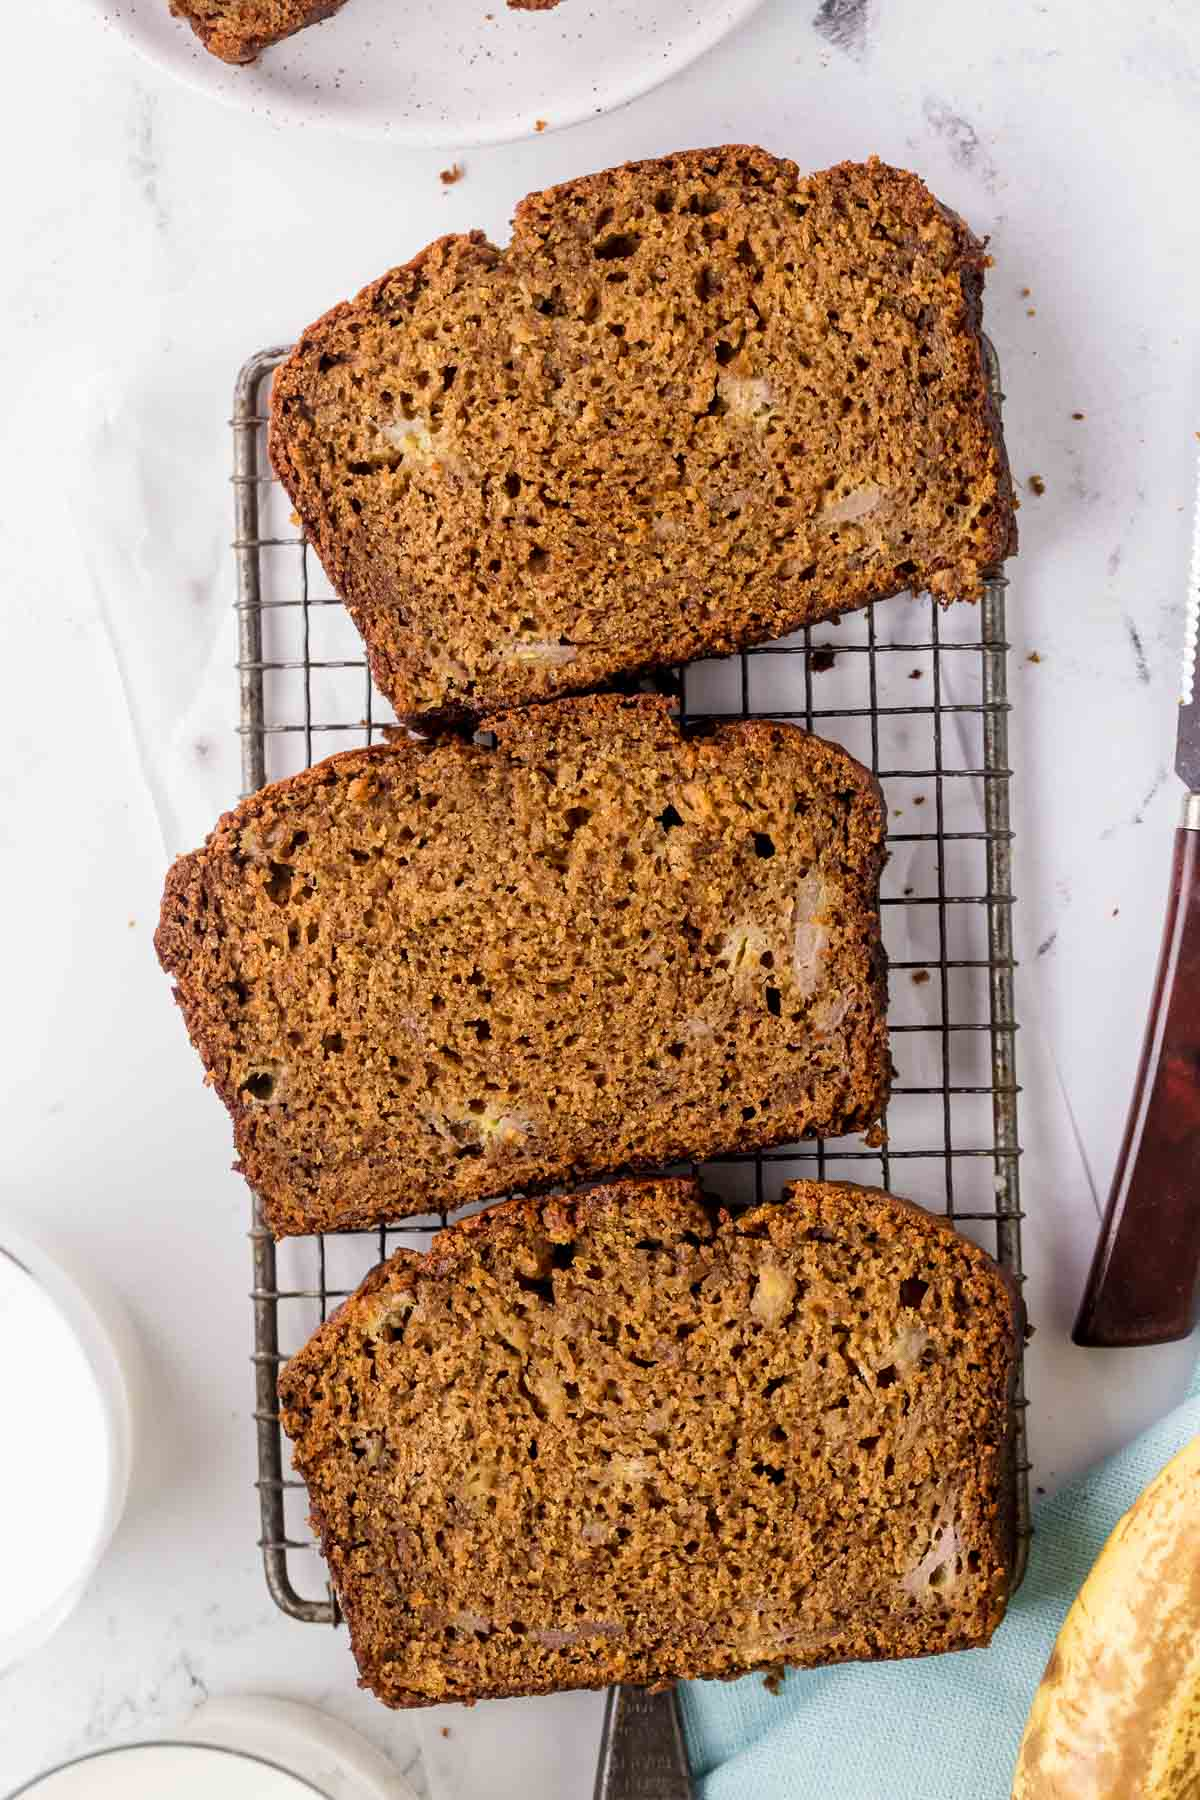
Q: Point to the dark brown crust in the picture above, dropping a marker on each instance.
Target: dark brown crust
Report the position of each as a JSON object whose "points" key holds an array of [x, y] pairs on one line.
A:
{"points": [[1007, 541], [453, 1248], [235, 40], [367, 601], [185, 899], [935, 1224], [318, 527]]}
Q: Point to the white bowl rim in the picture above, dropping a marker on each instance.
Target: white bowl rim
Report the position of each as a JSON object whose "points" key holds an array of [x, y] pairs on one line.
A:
{"points": [[105, 1337], [74, 1762]]}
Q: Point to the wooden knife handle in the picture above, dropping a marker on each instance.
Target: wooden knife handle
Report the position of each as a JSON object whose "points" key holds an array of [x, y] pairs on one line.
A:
{"points": [[1144, 1286]]}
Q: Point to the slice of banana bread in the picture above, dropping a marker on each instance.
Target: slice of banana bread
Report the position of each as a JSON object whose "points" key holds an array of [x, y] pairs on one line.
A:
{"points": [[623, 1437], [429, 973], [236, 30], [696, 403]]}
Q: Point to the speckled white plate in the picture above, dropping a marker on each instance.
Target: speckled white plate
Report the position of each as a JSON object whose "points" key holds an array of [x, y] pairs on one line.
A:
{"points": [[449, 73]]}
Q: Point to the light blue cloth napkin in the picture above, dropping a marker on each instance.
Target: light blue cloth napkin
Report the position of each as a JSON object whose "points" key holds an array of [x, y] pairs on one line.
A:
{"points": [[943, 1728]]}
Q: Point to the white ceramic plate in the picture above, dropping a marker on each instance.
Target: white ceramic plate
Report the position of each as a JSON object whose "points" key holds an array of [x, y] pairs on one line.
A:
{"points": [[289, 1735], [240, 1748], [446, 73], [167, 1772]]}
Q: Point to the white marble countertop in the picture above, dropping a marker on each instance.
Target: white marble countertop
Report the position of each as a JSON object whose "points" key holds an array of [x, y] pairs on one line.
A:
{"points": [[151, 242]]}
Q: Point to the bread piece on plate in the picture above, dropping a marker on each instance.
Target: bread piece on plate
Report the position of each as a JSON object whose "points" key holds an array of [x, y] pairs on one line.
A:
{"points": [[696, 403], [622, 1437], [236, 30], [425, 974]]}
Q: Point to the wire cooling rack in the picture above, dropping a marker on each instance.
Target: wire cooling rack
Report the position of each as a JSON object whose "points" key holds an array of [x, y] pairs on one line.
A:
{"points": [[918, 694]]}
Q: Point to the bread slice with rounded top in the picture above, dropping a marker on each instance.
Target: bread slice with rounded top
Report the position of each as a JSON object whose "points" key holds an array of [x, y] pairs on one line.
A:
{"points": [[696, 403], [431, 973], [624, 1437]]}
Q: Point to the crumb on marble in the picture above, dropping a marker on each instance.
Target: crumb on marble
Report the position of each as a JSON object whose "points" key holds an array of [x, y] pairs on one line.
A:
{"points": [[1115, 911], [446, 1728], [539, 124], [821, 659], [1078, 415], [131, 923], [1031, 312], [908, 891], [1034, 657], [1036, 484], [918, 799], [773, 1681], [920, 977], [1025, 293], [915, 674], [453, 174]]}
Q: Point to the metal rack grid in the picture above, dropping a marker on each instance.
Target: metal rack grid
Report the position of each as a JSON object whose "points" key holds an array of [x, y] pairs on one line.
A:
{"points": [[917, 693]]}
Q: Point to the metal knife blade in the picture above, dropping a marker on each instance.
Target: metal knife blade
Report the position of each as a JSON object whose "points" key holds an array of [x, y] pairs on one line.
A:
{"points": [[641, 1750], [1187, 742]]}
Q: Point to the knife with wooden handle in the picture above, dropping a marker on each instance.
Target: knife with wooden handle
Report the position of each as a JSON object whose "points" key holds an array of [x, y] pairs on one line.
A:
{"points": [[1144, 1285]]}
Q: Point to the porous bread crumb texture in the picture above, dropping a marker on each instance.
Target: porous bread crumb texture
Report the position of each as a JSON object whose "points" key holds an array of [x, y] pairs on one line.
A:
{"points": [[624, 1438], [236, 30], [696, 403], [429, 974]]}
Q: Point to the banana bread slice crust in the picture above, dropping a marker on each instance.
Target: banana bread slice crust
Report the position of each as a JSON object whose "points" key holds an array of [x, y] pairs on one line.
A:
{"points": [[696, 403], [623, 1437], [236, 30], [421, 974]]}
